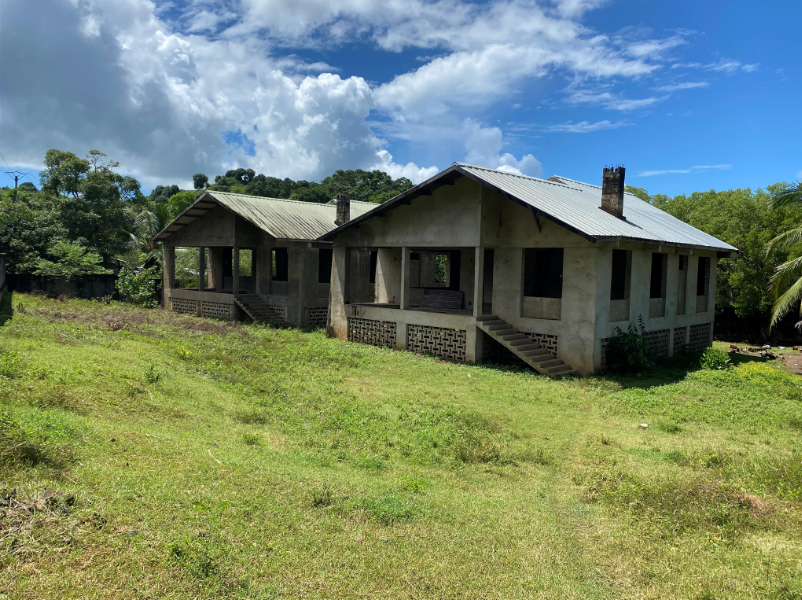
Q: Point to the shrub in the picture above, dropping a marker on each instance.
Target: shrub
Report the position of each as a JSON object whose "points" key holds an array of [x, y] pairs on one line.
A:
{"points": [[628, 351], [713, 358], [139, 288]]}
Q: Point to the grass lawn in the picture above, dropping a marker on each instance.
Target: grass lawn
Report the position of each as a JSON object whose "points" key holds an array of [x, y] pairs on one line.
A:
{"points": [[145, 454]]}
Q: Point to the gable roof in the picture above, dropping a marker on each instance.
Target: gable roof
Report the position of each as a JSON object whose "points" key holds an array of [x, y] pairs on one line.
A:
{"points": [[572, 204], [280, 218]]}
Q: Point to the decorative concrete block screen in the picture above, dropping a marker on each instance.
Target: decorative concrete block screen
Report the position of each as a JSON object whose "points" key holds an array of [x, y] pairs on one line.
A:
{"points": [[183, 305], [679, 338], [700, 336], [549, 342], [281, 311], [216, 310], [375, 333], [318, 317], [658, 342], [437, 341]]}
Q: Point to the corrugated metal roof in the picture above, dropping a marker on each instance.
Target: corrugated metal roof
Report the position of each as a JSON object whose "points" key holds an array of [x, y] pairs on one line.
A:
{"points": [[576, 205], [280, 218]]}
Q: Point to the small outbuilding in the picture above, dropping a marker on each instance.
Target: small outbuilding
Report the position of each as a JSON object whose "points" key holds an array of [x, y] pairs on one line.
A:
{"points": [[480, 264], [258, 255]]}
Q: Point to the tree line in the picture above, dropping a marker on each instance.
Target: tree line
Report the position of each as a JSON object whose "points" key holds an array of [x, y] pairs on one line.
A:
{"points": [[86, 218]]}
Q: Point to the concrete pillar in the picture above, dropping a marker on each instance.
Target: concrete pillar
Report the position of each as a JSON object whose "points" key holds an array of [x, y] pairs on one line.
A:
{"points": [[216, 268], [235, 286], [405, 278], [201, 268], [263, 257], [478, 280], [339, 293], [168, 275]]}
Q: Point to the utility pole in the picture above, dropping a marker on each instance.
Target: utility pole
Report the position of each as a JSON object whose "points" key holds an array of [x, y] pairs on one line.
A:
{"points": [[16, 175]]}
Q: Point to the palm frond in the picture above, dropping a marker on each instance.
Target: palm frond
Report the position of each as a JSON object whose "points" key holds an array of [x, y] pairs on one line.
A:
{"points": [[786, 283], [786, 240], [791, 194]]}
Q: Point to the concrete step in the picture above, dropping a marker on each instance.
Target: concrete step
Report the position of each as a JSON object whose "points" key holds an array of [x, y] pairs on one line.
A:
{"points": [[502, 332], [526, 341], [513, 337], [497, 326], [486, 317], [545, 364], [523, 349], [537, 353], [487, 324], [561, 370]]}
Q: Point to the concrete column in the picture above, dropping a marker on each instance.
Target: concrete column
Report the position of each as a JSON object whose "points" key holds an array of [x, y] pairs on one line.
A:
{"points": [[168, 275], [235, 286], [263, 257], [201, 268], [478, 280], [216, 268], [339, 293], [405, 278]]}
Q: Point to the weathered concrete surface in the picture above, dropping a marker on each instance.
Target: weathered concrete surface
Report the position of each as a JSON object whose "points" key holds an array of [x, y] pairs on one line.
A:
{"points": [[470, 218]]}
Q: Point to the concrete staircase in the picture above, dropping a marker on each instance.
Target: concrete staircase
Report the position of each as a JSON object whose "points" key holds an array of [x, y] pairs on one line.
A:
{"points": [[532, 353], [257, 309]]}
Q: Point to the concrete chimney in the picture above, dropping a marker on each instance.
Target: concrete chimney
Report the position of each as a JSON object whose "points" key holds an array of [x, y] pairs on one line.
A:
{"points": [[612, 199], [343, 209]]}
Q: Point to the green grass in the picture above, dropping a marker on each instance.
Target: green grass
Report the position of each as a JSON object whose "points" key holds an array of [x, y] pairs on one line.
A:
{"points": [[193, 458]]}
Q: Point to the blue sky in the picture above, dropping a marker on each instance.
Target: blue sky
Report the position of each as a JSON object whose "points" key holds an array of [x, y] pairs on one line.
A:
{"points": [[688, 95]]}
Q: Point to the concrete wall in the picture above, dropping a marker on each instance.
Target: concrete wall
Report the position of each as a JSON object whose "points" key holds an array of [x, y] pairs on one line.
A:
{"points": [[467, 215], [220, 230]]}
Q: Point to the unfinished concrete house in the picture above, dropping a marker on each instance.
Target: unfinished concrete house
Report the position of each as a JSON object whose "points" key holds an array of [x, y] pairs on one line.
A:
{"points": [[259, 256], [478, 264]]}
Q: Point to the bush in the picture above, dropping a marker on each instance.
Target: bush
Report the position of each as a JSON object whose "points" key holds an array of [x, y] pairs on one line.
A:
{"points": [[139, 288], [713, 358], [628, 351]]}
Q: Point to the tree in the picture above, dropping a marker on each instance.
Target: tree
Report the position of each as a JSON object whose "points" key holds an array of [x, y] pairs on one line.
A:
{"points": [[367, 186], [200, 181], [27, 186], [63, 172], [71, 260], [28, 228], [315, 193], [786, 281]]}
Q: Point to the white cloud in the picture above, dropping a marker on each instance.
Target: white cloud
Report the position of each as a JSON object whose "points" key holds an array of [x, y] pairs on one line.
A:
{"points": [[799, 175], [610, 100], [585, 126], [685, 85], [574, 8], [725, 65], [483, 147], [683, 171], [410, 170], [654, 48]]}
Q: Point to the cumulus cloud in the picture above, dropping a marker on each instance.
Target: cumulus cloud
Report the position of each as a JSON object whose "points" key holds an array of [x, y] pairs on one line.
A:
{"points": [[483, 147], [683, 171]]}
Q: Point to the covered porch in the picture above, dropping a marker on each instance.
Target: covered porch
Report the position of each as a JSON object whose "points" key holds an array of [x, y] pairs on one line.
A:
{"points": [[221, 277], [425, 299]]}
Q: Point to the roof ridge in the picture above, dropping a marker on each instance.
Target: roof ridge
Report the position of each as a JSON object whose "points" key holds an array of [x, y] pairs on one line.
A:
{"points": [[598, 187], [520, 176], [304, 202]]}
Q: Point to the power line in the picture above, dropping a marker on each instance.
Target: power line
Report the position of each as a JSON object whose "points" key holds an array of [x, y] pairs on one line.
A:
{"points": [[4, 160]]}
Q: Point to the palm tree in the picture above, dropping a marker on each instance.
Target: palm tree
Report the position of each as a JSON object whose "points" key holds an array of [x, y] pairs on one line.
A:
{"points": [[786, 283], [147, 224]]}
